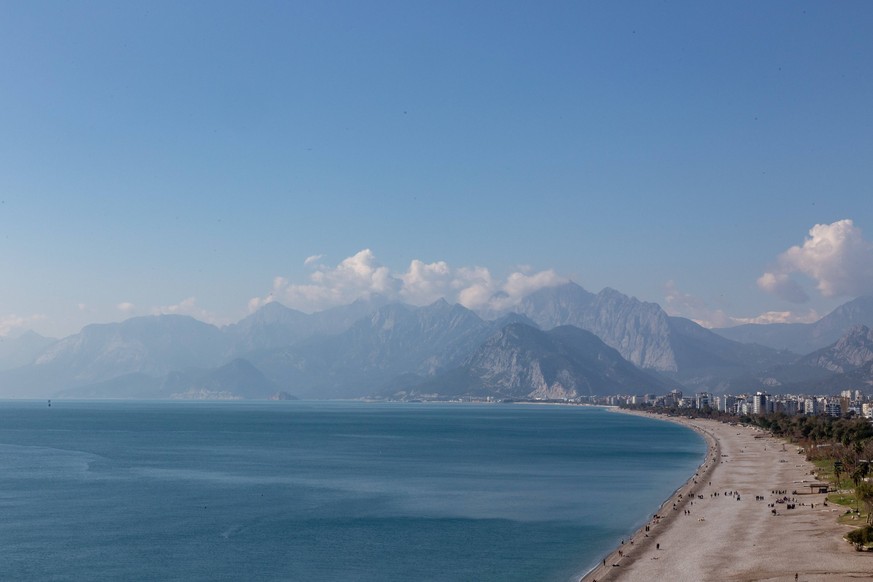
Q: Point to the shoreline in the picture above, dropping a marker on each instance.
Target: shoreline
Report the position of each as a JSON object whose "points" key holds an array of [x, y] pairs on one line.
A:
{"points": [[647, 534], [753, 516]]}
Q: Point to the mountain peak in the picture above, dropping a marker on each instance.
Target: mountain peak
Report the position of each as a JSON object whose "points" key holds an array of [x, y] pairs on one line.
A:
{"points": [[438, 306], [275, 307]]}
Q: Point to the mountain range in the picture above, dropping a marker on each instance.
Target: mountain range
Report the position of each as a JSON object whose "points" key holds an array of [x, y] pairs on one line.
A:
{"points": [[559, 342], [803, 338]]}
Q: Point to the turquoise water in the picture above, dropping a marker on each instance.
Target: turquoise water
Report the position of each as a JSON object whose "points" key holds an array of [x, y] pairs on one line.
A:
{"points": [[325, 491]]}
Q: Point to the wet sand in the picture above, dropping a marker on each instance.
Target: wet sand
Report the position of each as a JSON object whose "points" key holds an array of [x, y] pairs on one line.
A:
{"points": [[720, 531]]}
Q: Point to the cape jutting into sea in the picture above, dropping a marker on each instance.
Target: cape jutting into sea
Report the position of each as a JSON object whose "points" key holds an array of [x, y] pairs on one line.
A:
{"points": [[326, 490]]}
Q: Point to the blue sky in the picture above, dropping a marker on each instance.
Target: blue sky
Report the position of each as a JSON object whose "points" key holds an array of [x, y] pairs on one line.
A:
{"points": [[205, 157]]}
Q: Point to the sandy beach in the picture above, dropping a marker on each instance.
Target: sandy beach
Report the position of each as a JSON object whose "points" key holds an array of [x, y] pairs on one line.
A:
{"points": [[726, 523]]}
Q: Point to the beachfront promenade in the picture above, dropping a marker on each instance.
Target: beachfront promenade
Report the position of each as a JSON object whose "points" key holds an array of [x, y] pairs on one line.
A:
{"points": [[728, 526]]}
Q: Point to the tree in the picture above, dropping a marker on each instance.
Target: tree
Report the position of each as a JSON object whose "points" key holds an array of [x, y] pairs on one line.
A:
{"points": [[864, 493], [860, 537], [862, 468]]}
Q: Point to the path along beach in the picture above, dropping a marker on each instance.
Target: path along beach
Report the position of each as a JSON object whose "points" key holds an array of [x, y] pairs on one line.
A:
{"points": [[726, 524]]}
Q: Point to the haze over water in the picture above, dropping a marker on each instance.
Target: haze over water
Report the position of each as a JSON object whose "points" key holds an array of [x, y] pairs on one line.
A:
{"points": [[326, 491]]}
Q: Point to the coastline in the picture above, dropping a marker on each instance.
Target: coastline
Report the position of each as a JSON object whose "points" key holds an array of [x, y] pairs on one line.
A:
{"points": [[737, 524], [646, 535]]}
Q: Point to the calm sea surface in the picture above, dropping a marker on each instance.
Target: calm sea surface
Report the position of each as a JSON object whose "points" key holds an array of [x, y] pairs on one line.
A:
{"points": [[325, 491]]}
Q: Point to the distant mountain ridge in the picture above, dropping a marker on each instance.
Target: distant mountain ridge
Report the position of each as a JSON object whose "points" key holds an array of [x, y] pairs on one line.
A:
{"points": [[395, 340], [276, 326], [803, 338], [22, 349], [151, 345], [375, 346]]}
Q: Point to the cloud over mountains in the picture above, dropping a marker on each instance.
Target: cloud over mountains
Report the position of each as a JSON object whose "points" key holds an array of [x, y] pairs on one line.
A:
{"points": [[836, 256], [361, 276], [834, 260]]}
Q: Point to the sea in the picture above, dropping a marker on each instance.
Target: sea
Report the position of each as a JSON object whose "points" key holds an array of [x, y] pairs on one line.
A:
{"points": [[310, 491]]}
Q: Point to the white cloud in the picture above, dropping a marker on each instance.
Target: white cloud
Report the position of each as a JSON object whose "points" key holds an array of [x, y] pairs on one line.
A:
{"points": [[479, 290], [190, 308], [836, 256], [256, 303], [783, 286], [355, 277], [520, 284], [475, 287], [126, 307], [186, 307], [679, 303], [311, 260], [424, 283], [361, 276], [809, 316]]}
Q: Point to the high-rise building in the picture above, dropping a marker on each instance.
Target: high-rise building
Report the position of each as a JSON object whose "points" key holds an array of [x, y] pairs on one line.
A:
{"points": [[759, 403]]}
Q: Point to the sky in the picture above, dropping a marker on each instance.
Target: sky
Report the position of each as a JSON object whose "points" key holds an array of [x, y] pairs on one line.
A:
{"points": [[204, 158]]}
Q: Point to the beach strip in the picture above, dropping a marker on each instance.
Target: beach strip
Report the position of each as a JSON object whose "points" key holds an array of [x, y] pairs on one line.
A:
{"points": [[748, 513], [638, 542]]}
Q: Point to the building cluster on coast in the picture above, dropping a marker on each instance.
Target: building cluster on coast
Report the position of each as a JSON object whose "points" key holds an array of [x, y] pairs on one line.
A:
{"points": [[849, 402]]}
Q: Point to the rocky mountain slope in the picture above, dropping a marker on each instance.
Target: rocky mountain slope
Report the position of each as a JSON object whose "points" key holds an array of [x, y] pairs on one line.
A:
{"points": [[649, 338], [520, 361], [847, 364], [850, 352], [638, 330]]}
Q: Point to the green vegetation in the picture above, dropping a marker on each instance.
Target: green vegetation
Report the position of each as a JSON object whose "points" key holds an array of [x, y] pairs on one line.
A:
{"points": [[862, 537], [840, 448], [816, 430], [864, 493], [824, 468]]}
